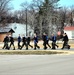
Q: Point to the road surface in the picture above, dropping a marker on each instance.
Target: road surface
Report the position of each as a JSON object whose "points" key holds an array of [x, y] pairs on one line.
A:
{"points": [[36, 64]]}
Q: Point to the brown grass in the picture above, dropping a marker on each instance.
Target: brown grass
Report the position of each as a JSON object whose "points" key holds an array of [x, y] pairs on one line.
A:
{"points": [[29, 52]]}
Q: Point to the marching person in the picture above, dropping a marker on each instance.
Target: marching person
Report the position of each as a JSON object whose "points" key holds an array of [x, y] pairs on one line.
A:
{"points": [[24, 42], [28, 41], [47, 41], [36, 42], [54, 38], [11, 39], [6, 41], [19, 40], [44, 40], [65, 40]]}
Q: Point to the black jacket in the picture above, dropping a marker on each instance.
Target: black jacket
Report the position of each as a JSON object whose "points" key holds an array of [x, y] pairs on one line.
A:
{"points": [[6, 39], [28, 39], [11, 39], [44, 38], [24, 39], [65, 38]]}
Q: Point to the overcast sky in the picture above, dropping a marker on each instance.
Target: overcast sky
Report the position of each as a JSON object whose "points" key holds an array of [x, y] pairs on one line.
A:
{"points": [[16, 3]]}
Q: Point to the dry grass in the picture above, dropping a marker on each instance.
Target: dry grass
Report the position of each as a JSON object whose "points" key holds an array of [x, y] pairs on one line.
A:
{"points": [[29, 52]]}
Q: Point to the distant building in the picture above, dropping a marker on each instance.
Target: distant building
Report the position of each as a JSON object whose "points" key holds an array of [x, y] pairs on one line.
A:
{"points": [[4, 32], [70, 31], [21, 29]]}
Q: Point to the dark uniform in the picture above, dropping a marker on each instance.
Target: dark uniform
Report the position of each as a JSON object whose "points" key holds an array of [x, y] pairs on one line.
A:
{"points": [[44, 41], [6, 40], [12, 42], [65, 39], [35, 42], [19, 40], [28, 42], [54, 42], [47, 41], [24, 43]]}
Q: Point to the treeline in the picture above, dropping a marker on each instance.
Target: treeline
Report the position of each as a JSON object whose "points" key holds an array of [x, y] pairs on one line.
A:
{"points": [[42, 15]]}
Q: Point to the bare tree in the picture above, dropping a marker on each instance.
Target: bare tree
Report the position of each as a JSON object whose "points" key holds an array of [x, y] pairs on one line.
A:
{"points": [[28, 12], [72, 15], [4, 8], [64, 18], [44, 14]]}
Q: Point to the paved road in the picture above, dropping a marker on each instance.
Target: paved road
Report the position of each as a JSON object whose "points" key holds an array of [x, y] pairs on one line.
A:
{"points": [[36, 64]]}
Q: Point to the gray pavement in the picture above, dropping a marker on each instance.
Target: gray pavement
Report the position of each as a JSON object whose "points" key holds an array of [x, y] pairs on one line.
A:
{"points": [[36, 64]]}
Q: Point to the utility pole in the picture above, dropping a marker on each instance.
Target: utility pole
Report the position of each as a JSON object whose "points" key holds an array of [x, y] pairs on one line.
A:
{"points": [[26, 21]]}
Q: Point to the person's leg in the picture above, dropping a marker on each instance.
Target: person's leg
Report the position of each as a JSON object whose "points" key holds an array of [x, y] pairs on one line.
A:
{"points": [[48, 44], [26, 45], [35, 46], [7, 47], [13, 46], [53, 45], [22, 46], [30, 45], [10, 46], [64, 44], [18, 45], [45, 47]]}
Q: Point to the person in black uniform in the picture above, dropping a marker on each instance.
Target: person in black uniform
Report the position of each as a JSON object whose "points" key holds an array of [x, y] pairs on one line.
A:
{"points": [[36, 42], [47, 41], [44, 40], [24, 42], [6, 40], [11, 42], [28, 41], [19, 40], [65, 40]]}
